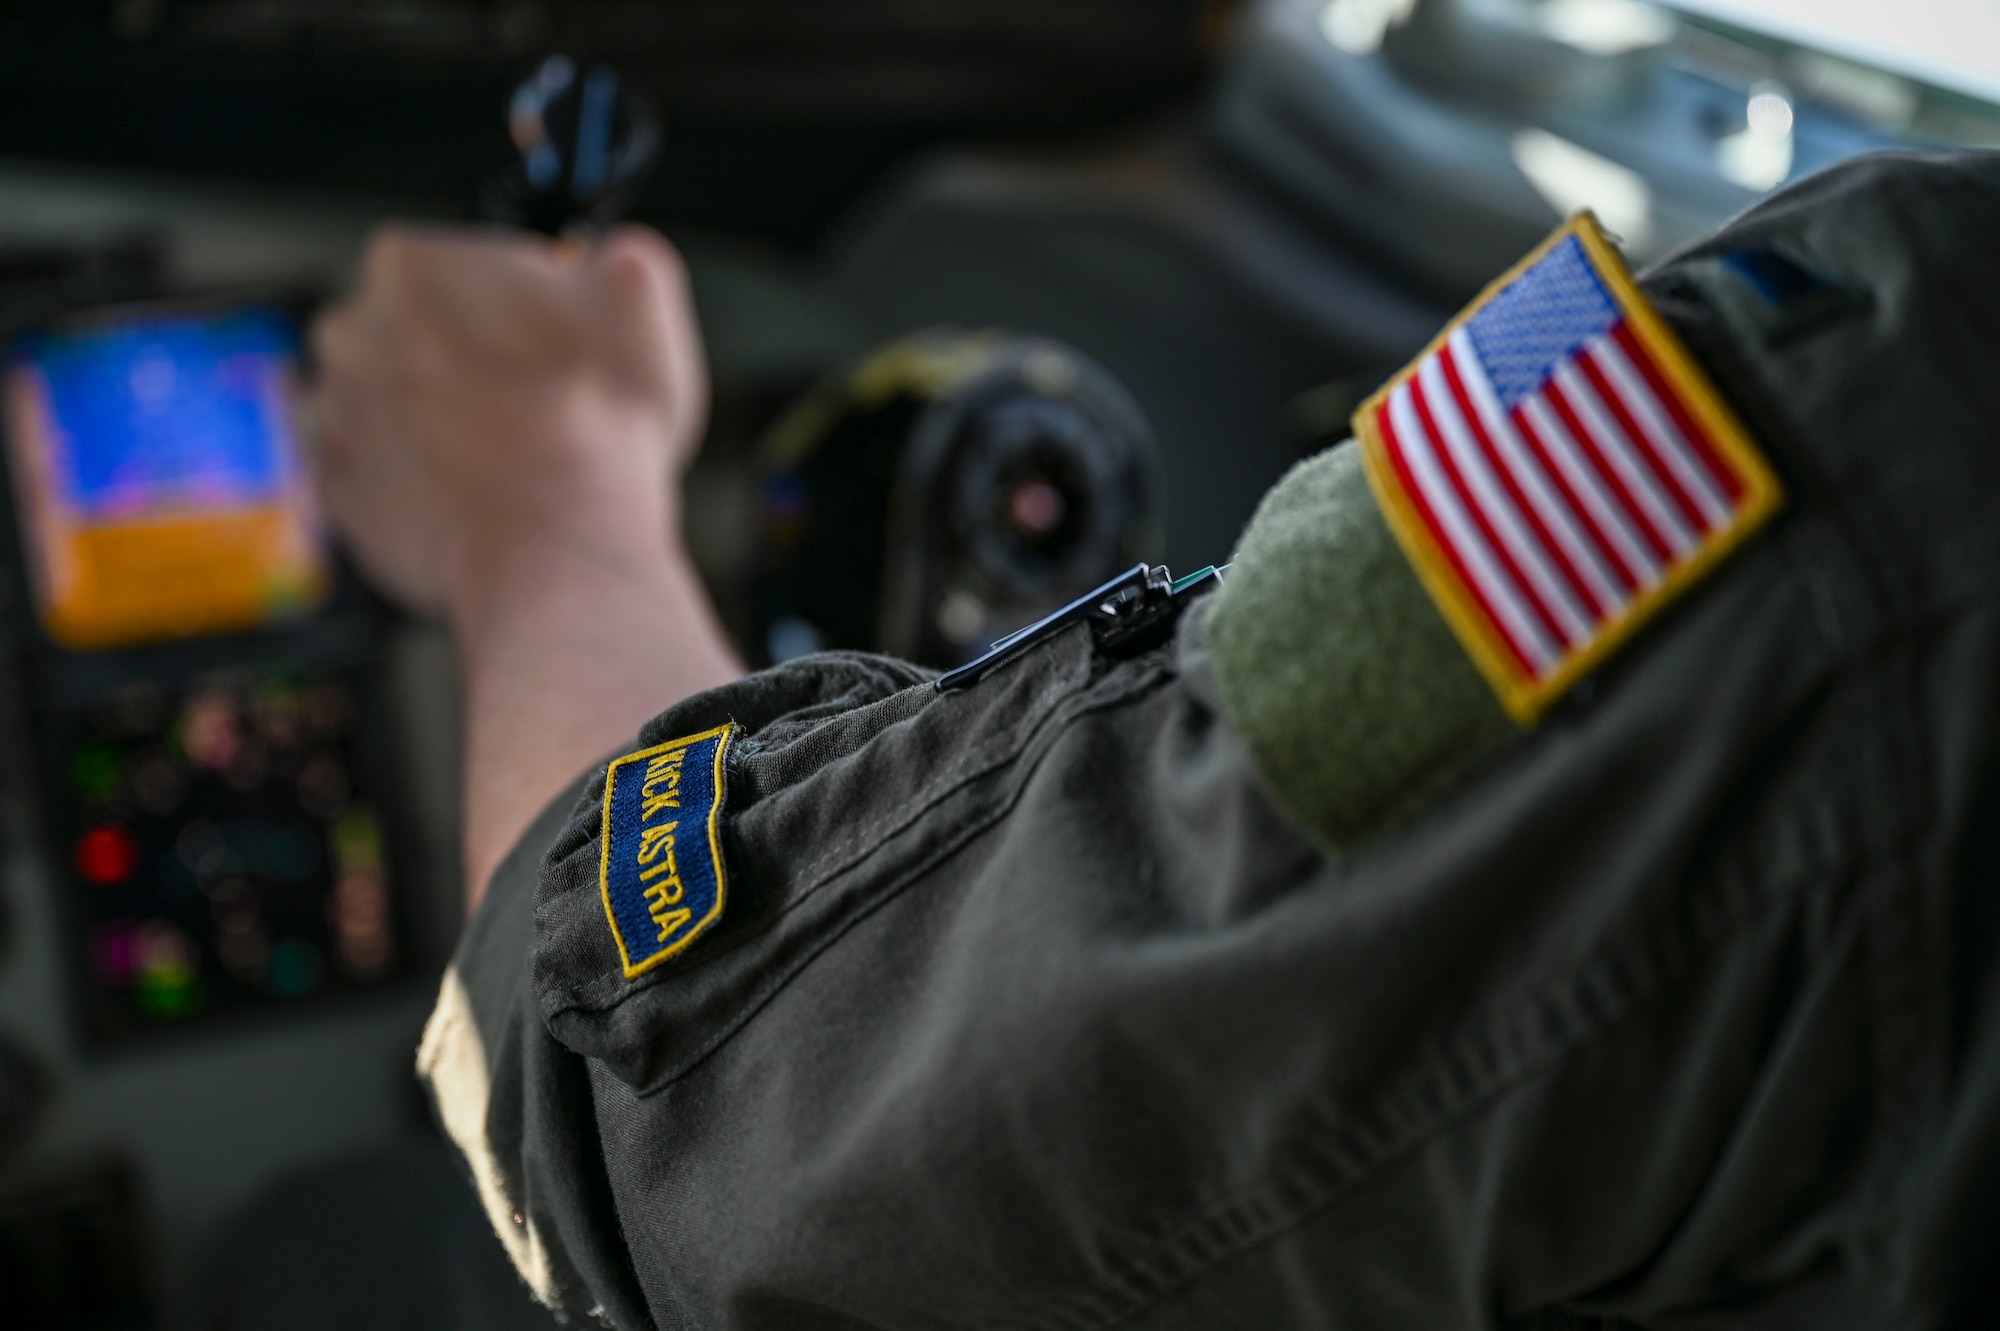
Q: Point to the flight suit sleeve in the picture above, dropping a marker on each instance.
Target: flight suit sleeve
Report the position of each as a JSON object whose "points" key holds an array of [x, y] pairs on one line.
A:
{"points": [[1030, 1007]]}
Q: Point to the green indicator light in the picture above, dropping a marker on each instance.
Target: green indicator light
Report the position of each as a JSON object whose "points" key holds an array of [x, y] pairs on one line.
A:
{"points": [[167, 993], [94, 768], [357, 841]]}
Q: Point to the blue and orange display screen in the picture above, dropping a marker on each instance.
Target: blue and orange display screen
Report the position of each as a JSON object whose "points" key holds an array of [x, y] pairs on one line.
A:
{"points": [[158, 473], [170, 413]]}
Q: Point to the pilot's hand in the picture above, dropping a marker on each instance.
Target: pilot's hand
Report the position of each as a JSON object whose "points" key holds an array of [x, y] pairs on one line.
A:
{"points": [[502, 423], [483, 397]]}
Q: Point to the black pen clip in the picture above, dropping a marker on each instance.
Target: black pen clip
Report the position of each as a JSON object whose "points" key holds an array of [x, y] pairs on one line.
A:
{"points": [[1128, 614]]}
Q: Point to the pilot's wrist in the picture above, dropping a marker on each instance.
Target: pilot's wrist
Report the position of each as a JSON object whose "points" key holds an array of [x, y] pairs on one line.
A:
{"points": [[509, 575]]}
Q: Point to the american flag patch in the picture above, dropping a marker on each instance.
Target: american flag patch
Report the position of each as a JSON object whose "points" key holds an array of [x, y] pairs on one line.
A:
{"points": [[1557, 468]]}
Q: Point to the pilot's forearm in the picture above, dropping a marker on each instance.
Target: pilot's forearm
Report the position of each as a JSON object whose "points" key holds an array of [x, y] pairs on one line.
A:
{"points": [[567, 648]]}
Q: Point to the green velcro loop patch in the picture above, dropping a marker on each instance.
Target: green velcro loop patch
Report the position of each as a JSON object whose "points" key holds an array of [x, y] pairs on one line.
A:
{"points": [[1348, 688]]}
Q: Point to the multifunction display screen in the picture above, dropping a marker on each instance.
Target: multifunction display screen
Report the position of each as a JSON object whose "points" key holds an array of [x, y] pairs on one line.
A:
{"points": [[158, 476]]}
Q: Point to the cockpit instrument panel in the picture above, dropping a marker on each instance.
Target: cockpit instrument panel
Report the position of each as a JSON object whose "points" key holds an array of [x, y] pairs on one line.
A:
{"points": [[204, 690]]}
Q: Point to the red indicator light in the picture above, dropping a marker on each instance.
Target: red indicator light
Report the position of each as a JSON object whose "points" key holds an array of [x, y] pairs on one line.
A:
{"points": [[106, 855], [1036, 508]]}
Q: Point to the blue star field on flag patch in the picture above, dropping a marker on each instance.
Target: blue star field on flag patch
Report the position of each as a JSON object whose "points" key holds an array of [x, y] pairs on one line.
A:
{"points": [[1553, 309]]}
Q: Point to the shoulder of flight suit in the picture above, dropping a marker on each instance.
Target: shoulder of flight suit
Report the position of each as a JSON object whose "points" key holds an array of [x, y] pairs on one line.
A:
{"points": [[1033, 1006]]}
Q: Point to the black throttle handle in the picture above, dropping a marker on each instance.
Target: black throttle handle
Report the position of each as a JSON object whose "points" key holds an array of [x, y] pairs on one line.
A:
{"points": [[584, 141]]}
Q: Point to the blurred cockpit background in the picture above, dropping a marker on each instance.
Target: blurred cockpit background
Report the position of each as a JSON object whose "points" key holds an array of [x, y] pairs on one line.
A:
{"points": [[1184, 238]]}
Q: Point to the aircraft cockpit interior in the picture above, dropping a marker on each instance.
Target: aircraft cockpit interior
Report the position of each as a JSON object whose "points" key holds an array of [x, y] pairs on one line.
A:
{"points": [[998, 299]]}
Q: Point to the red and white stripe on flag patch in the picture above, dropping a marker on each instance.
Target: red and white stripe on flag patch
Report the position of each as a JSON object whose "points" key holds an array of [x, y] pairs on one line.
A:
{"points": [[1557, 468]]}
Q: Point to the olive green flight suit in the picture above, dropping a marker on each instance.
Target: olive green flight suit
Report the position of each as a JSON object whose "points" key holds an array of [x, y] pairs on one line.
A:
{"points": [[1274, 979]]}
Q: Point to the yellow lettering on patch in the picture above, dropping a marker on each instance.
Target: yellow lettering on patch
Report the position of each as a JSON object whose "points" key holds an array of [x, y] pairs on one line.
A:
{"points": [[658, 803], [670, 921], [651, 837], [665, 892], [664, 770], [670, 866]]}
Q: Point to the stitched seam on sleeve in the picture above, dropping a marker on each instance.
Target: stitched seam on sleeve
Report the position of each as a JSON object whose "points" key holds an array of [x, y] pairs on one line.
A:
{"points": [[860, 843], [858, 848]]}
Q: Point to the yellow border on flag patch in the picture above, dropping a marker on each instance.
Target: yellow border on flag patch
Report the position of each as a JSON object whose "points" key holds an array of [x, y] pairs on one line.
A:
{"points": [[1523, 698], [698, 927]]}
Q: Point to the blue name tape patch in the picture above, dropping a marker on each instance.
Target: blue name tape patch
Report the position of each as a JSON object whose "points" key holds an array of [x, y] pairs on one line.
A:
{"points": [[660, 866]]}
